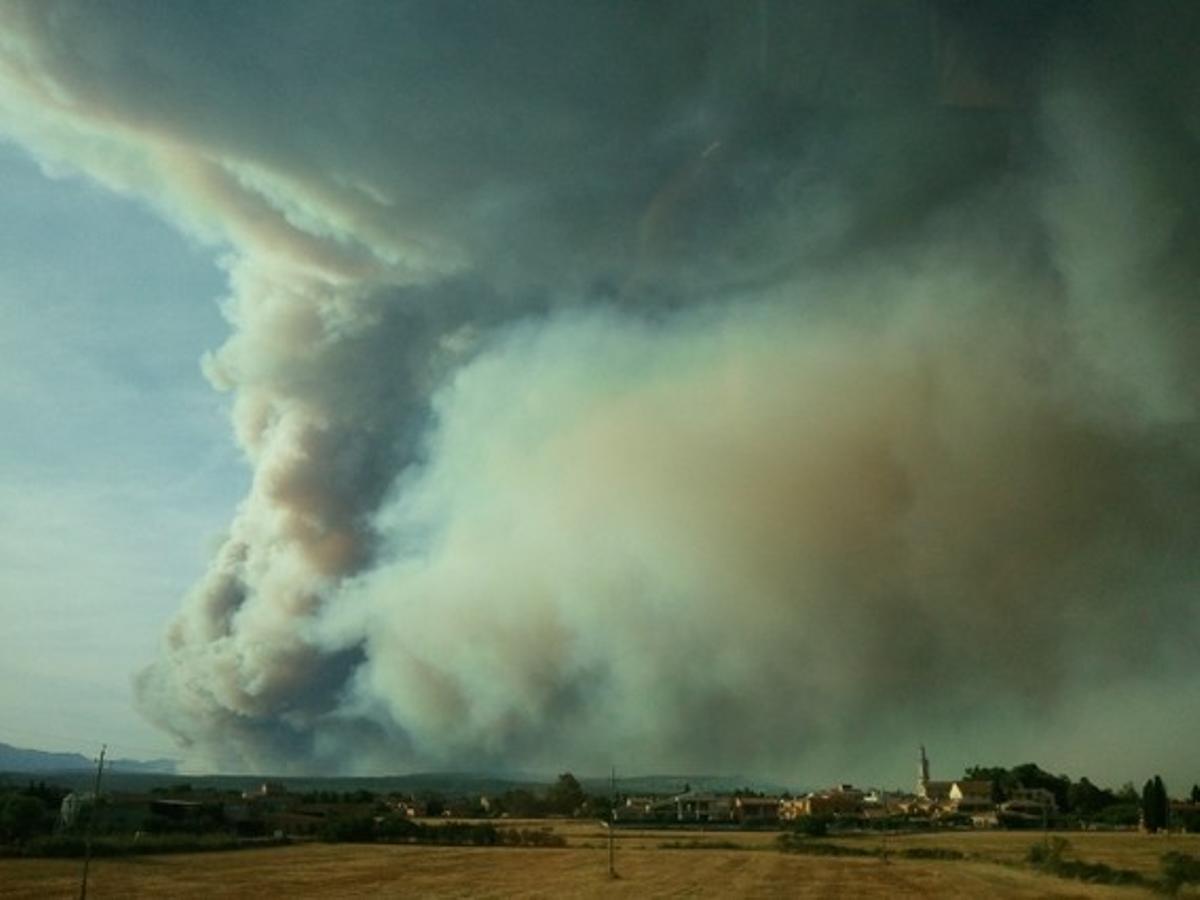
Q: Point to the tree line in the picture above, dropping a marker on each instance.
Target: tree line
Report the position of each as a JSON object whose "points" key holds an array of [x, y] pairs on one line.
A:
{"points": [[1087, 802]]}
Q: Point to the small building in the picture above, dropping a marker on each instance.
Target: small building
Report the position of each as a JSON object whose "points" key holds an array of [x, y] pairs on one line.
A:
{"points": [[645, 807], [755, 809], [965, 795], [841, 800], [695, 806], [933, 792], [1185, 816], [267, 789], [178, 810], [1037, 796], [971, 796], [874, 797]]}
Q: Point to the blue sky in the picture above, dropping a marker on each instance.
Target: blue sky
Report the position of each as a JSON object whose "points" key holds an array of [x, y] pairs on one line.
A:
{"points": [[117, 465]]}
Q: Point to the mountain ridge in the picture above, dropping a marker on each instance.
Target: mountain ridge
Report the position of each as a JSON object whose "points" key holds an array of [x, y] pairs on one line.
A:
{"points": [[26, 759]]}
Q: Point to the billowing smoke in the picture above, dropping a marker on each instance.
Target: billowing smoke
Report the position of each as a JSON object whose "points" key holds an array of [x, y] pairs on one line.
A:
{"points": [[699, 385]]}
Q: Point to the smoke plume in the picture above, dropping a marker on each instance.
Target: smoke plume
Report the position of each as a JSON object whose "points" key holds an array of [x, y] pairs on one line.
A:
{"points": [[707, 386]]}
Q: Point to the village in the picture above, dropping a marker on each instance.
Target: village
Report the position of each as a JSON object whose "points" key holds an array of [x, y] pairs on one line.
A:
{"points": [[1024, 797], [1023, 821], [964, 802]]}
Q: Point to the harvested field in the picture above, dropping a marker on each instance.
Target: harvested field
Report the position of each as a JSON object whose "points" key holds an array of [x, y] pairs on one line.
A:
{"points": [[1121, 850], [314, 870]]}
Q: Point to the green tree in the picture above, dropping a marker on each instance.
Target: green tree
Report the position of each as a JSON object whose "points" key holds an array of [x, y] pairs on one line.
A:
{"points": [[1149, 807], [520, 803], [1155, 805], [599, 806], [1030, 775], [566, 795], [1086, 799], [1001, 779], [21, 817], [1195, 796], [1162, 802]]}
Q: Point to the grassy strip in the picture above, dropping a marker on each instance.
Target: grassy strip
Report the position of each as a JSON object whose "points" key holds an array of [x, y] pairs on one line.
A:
{"points": [[60, 846], [1050, 857], [400, 830], [702, 845], [793, 842], [1179, 869], [930, 853]]}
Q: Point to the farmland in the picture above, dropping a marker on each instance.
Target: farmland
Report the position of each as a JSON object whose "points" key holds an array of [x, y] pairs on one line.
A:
{"points": [[649, 863]]}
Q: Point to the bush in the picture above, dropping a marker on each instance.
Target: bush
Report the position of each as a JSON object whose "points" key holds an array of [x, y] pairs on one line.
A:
{"points": [[357, 830], [1179, 869], [397, 829], [1119, 814], [811, 826], [1048, 853], [57, 846], [71, 845], [696, 844], [21, 817], [532, 837], [1050, 857], [790, 842], [931, 853]]}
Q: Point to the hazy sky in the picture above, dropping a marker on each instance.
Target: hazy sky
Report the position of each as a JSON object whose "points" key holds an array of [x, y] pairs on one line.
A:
{"points": [[690, 386], [116, 467]]}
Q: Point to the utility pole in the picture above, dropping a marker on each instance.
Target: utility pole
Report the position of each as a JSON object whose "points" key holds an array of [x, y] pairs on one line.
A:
{"points": [[1045, 823], [87, 841], [612, 824], [885, 822]]}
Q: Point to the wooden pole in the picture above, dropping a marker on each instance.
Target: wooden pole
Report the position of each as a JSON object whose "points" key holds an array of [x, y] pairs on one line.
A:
{"points": [[87, 841], [612, 824]]}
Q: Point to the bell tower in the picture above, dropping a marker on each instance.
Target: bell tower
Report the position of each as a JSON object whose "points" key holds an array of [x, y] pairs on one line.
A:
{"points": [[922, 773]]}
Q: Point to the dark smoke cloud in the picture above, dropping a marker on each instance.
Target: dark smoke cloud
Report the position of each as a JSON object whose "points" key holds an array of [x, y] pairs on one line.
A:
{"points": [[718, 386]]}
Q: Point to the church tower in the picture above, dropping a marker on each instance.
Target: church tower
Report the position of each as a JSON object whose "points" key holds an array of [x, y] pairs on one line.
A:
{"points": [[922, 773]]}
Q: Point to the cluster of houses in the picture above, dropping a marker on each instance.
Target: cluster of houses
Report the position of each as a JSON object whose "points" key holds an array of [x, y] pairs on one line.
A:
{"points": [[962, 798]]}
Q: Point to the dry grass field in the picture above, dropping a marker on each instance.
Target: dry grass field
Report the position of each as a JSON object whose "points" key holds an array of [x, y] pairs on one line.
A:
{"points": [[1121, 850], [646, 869]]}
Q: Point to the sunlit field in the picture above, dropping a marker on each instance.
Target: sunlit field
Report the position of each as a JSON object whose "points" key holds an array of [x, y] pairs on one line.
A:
{"points": [[648, 863]]}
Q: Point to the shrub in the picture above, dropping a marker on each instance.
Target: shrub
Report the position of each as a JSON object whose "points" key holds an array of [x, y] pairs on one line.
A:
{"points": [[931, 853], [1118, 814], [357, 830], [790, 842], [1048, 853], [70, 845], [811, 826], [397, 829], [533, 837], [1050, 857], [1179, 869]]}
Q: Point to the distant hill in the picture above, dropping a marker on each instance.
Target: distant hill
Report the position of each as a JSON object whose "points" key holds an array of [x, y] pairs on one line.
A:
{"points": [[674, 784], [21, 759], [74, 769]]}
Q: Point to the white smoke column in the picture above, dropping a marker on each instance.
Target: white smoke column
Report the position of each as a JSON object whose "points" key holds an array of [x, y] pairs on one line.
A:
{"points": [[595, 388]]}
